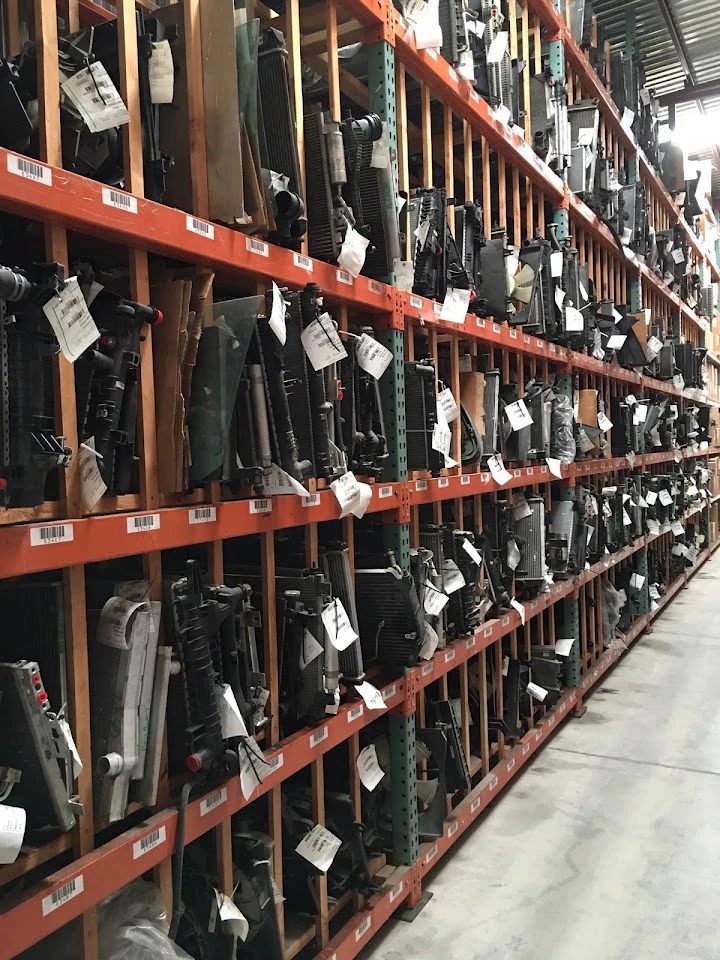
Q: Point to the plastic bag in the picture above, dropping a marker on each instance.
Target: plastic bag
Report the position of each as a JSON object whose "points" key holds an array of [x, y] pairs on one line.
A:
{"points": [[612, 603], [132, 925], [562, 440]]}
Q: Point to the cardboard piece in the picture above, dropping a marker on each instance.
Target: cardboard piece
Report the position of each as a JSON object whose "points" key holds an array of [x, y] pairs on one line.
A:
{"points": [[472, 394]]}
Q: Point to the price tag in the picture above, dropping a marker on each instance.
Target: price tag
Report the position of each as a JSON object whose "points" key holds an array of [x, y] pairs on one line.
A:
{"points": [[322, 344], [536, 691], [371, 695], [319, 847], [603, 422], [71, 320], [554, 466], [254, 767], [97, 101], [368, 767], [564, 646], [518, 415], [353, 251], [92, 484], [678, 255], [162, 73], [472, 552], [434, 601], [337, 625], [650, 497], [372, 356], [574, 320], [447, 402], [455, 305], [497, 469], [653, 527], [452, 577]]}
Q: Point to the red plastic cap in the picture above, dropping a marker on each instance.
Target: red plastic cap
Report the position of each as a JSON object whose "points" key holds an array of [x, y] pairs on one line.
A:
{"points": [[194, 763], [158, 315], [42, 697]]}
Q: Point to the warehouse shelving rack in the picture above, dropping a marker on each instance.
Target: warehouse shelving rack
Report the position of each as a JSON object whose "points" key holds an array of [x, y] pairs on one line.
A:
{"points": [[516, 198]]}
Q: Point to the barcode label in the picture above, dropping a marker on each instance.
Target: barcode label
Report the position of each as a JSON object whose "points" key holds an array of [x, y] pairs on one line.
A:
{"points": [[201, 227], [496, 328], [511, 765], [513, 334], [29, 170], [263, 505], [344, 277], [213, 800], [384, 492], [355, 713], [60, 897], [148, 843], [305, 263], [453, 829], [151, 521], [474, 805], [318, 737], [493, 784], [257, 246], [311, 500], [57, 533], [431, 53], [416, 302], [479, 322], [474, 95], [395, 892], [470, 643], [465, 481], [487, 632], [389, 691], [506, 621], [427, 668], [551, 721], [443, 481], [421, 484], [437, 309], [450, 655], [276, 762], [363, 928], [431, 854], [202, 515], [526, 749], [453, 75], [121, 201], [375, 287]]}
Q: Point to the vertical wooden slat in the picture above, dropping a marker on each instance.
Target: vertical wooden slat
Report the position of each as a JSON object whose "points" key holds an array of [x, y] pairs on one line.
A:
{"points": [[292, 40], [449, 159], [426, 129], [333, 62], [486, 189]]}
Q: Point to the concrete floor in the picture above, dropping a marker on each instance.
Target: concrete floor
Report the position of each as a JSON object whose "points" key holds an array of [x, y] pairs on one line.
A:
{"points": [[608, 846]]}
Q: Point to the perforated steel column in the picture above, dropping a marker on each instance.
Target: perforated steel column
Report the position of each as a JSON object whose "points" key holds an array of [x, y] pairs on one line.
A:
{"points": [[403, 777], [569, 623]]}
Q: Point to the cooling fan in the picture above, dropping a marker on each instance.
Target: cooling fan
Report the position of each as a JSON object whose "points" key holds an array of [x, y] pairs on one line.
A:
{"points": [[520, 280]]}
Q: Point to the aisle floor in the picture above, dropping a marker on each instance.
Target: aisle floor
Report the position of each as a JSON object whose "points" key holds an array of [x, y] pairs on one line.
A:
{"points": [[607, 847]]}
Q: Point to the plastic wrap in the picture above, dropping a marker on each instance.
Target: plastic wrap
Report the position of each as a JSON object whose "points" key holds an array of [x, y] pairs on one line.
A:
{"points": [[562, 439], [132, 925], [613, 602]]}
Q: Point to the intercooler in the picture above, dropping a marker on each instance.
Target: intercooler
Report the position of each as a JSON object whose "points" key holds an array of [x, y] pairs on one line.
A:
{"points": [[279, 136], [336, 567], [391, 620], [530, 537], [421, 414]]}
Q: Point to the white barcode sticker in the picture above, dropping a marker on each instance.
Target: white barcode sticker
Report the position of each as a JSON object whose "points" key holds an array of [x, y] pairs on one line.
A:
{"points": [[395, 892], [305, 263], [342, 276], [355, 713], [363, 928], [311, 500], [96, 98], [443, 481], [318, 737], [60, 897], [449, 656], [202, 515], [213, 800], [150, 521], [421, 485], [71, 320], [389, 692], [416, 302], [257, 246], [147, 843], [261, 505], [385, 492], [29, 169], [55, 533], [201, 227], [119, 200], [431, 854]]}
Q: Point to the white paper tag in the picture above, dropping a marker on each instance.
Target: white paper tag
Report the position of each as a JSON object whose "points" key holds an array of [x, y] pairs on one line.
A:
{"points": [[653, 527], [404, 271], [627, 118], [574, 321], [654, 346], [368, 767], [12, 831], [353, 251], [498, 47], [556, 263], [584, 441], [231, 720], [337, 625], [319, 847], [162, 73], [452, 577], [665, 498], [352, 495], [442, 435], [276, 320], [372, 356], [254, 767], [536, 691], [520, 609], [322, 343], [564, 646], [278, 483], [554, 466], [434, 601], [71, 321], [603, 422], [521, 508], [310, 649], [230, 914], [470, 550], [447, 402], [371, 695], [650, 497], [92, 484], [678, 255], [518, 415], [616, 341], [77, 763], [678, 529], [455, 305], [94, 95], [513, 554], [636, 581], [497, 469]]}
